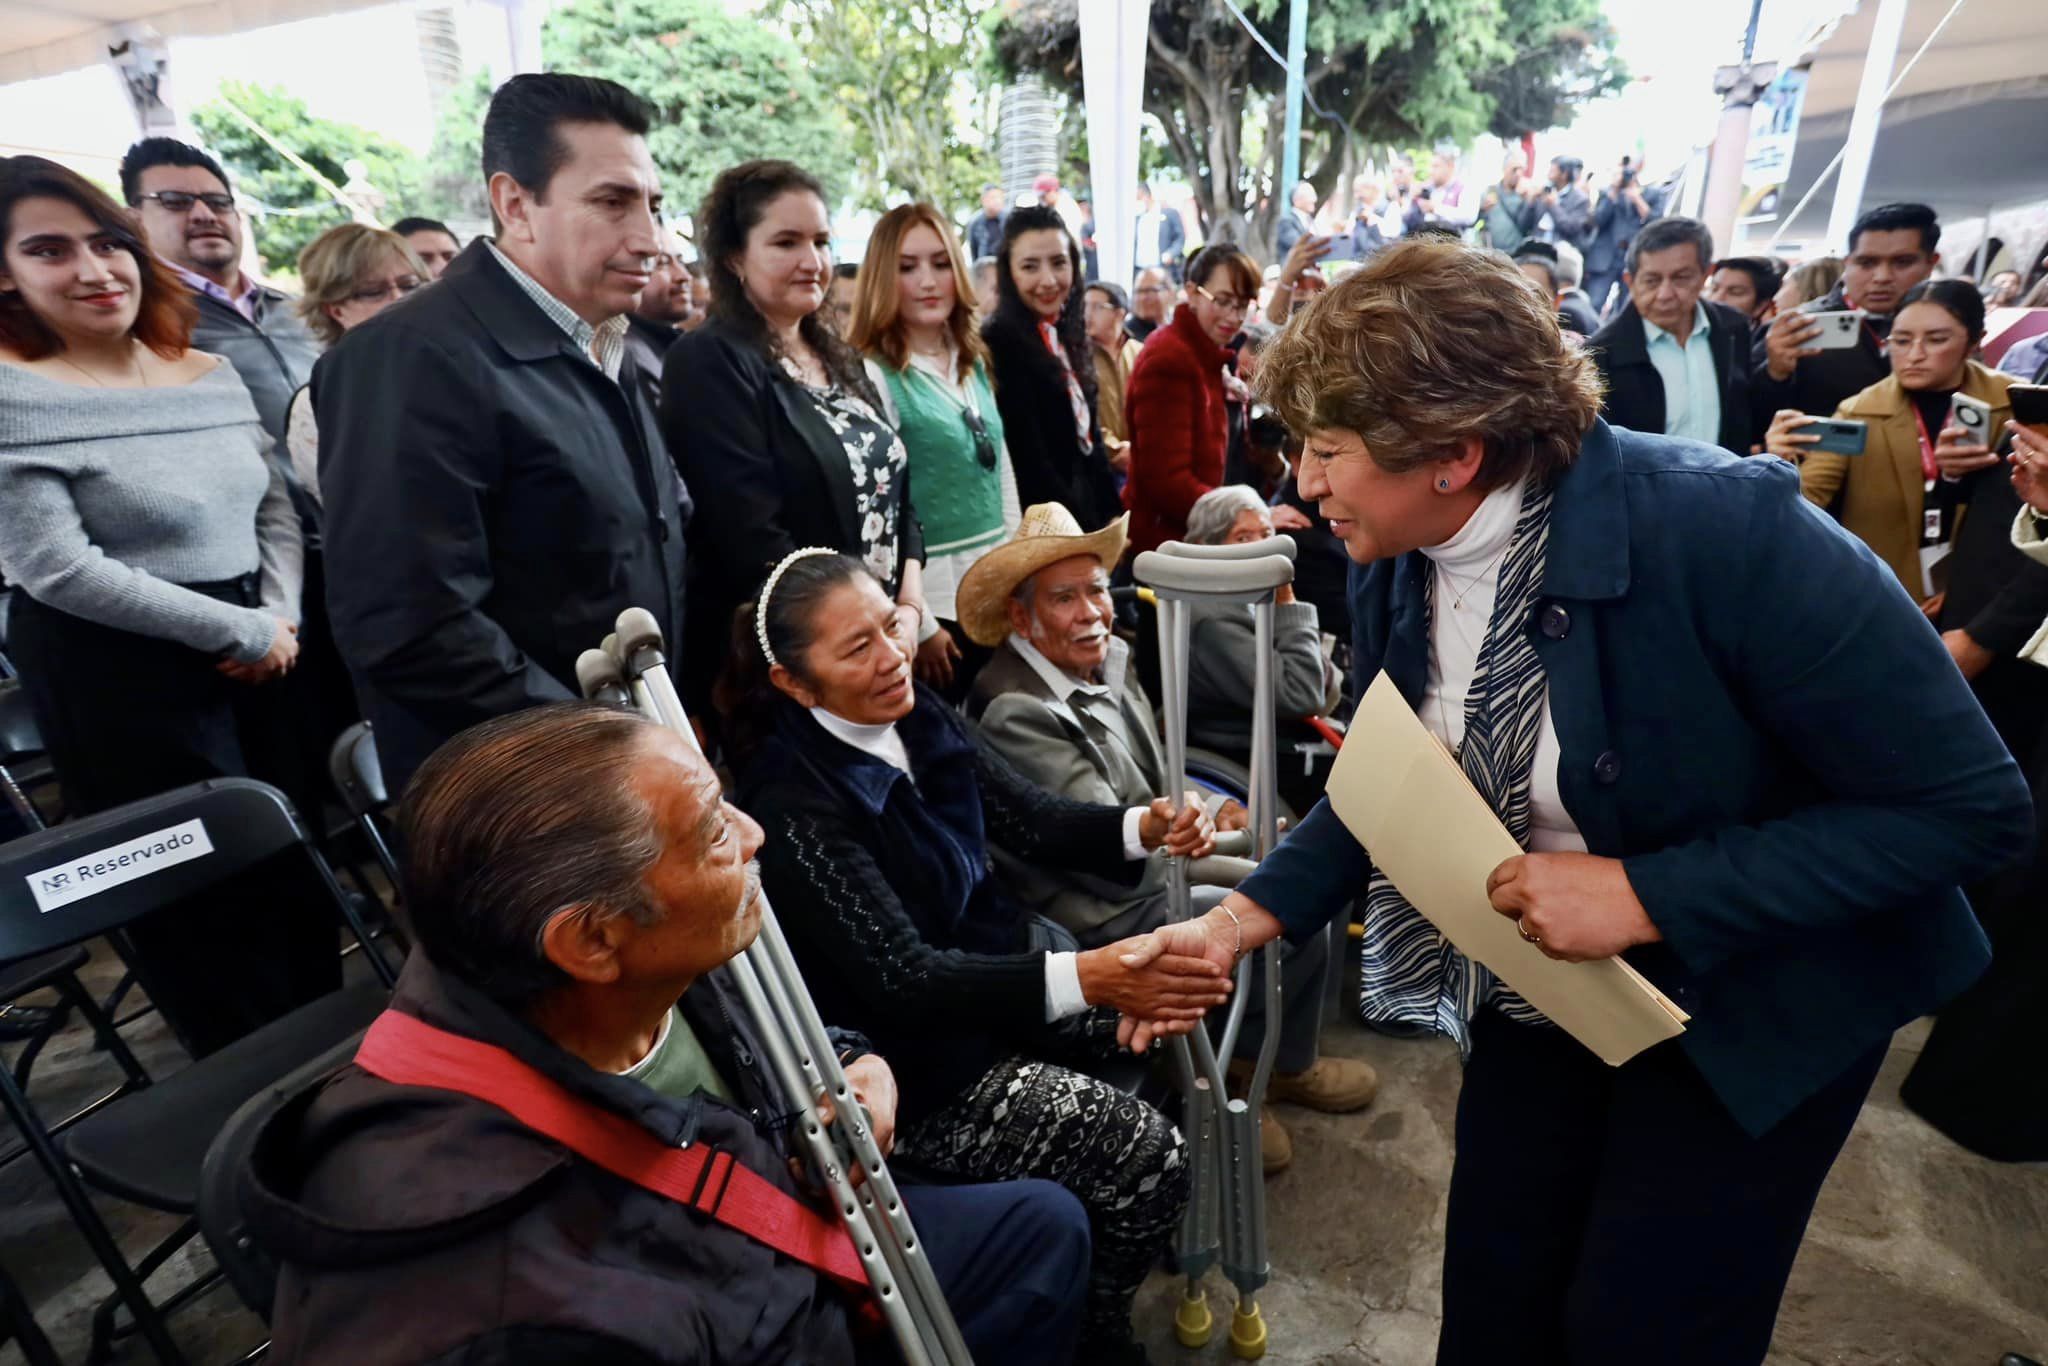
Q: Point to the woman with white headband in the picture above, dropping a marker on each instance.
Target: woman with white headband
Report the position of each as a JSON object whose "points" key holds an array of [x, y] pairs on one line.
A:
{"points": [[879, 808]]}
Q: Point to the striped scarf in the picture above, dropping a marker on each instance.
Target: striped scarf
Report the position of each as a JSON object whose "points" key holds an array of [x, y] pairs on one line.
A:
{"points": [[1409, 972], [1076, 399]]}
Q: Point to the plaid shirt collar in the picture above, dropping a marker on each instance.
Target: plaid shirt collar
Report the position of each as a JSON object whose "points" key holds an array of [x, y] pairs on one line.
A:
{"points": [[604, 344]]}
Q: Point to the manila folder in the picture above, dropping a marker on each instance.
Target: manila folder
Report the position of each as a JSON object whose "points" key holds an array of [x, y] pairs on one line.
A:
{"points": [[1427, 828]]}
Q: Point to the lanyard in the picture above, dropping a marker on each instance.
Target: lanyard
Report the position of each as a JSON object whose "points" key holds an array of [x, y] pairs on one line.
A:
{"points": [[1930, 468]]}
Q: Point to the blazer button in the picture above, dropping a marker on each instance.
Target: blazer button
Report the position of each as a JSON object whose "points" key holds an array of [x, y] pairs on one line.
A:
{"points": [[1607, 768], [1554, 621]]}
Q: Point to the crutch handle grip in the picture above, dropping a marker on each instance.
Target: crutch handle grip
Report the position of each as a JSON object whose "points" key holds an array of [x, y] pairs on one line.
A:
{"points": [[595, 671], [1248, 550], [638, 630], [1204, 577]]}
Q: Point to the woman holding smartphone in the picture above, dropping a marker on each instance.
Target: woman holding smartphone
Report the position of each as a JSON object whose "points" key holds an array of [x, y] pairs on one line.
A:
{"points": [[1897, 497]]}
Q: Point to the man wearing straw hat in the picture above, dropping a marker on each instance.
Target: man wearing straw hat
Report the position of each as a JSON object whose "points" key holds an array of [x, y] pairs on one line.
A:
{"points": [[1060, 700]]}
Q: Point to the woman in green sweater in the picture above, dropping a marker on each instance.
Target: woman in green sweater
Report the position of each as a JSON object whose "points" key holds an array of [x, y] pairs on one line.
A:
{"points": [[914, 323]]}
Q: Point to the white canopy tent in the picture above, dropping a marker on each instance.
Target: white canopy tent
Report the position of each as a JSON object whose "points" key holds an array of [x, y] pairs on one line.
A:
{"points": [[49, 37], [1963, 129]]}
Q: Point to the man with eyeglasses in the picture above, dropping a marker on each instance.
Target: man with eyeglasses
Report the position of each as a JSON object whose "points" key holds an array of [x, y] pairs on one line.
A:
{"points": [[1115, 354], [189, 218], [1151, 301], [1176, 405]]}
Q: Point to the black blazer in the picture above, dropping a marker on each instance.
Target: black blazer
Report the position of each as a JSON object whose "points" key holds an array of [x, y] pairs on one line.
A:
{"points": [[493, 502], [1635, 391], [1038, 429], [769, 476]]}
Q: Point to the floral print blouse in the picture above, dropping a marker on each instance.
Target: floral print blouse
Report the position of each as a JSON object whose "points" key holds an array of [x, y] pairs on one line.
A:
{"points": [[876, 459]]}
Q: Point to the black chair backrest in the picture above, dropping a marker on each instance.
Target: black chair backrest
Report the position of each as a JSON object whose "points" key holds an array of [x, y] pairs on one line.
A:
{"points": [[357, 773], [248, 1267], [87, 877], [20, 737]]}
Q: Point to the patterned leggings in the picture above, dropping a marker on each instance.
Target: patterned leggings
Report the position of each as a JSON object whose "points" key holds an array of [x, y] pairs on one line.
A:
{"points": [[1125, 1161]]}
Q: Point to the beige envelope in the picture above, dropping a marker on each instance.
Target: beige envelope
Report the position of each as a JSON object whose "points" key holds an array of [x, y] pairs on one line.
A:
{"points": [[1408, 803]]}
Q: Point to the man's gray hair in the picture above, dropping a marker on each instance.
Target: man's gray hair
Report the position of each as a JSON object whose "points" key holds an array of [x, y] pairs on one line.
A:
{"points": [[518, 819], [1662, 234], [1215, 512], [1571, 266]]}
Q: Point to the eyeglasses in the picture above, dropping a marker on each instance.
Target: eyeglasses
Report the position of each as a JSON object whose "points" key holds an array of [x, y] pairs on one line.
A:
{"points": [[1150, 289], [390, 289], [178, 201], [1229, 303], [984, 441]]}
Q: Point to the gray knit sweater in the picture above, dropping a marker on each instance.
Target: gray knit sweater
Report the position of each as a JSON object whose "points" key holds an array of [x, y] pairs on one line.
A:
{"points": [[111, 498]]}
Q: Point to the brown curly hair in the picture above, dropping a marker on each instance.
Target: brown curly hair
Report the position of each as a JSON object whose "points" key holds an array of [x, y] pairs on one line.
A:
{"points": [[1429, 343]]}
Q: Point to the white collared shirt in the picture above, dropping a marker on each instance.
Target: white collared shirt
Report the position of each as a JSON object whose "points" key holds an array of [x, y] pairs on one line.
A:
{"points": [[1062, 972], [1467, 569]]}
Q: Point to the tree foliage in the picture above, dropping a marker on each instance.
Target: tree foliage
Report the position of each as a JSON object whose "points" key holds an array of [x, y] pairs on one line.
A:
{"points": [[724, 87], [296, 209], [1383, 72], [906, 73], [454, 189]]}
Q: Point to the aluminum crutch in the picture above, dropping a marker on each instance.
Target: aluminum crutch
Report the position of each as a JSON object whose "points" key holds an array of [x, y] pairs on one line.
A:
{"points": [[1224, 1152], [631, 670]]}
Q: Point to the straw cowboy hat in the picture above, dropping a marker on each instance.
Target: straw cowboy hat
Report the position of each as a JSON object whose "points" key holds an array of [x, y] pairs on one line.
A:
{"points": [[1047, 535]]}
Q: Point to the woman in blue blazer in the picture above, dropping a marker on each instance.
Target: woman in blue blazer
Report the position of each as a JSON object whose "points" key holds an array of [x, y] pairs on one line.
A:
{"points": [[1737, 754]]}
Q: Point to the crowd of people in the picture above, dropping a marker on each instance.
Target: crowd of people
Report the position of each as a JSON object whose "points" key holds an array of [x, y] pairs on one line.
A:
{"points": [[884, 508]]}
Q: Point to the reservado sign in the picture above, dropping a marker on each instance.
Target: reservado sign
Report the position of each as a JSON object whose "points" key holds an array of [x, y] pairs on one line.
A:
{"points": [[104, 869]]}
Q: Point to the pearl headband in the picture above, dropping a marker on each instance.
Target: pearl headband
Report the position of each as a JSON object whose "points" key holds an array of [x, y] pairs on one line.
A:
{"points": [[768, 591]]}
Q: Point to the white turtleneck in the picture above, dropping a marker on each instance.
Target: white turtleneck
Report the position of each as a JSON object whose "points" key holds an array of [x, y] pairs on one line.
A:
{"points": [[1467, 568], [1062, 973]]}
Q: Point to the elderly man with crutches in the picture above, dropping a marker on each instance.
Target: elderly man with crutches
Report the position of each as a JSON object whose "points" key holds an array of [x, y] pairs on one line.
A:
{"points": [[565, 1141]]}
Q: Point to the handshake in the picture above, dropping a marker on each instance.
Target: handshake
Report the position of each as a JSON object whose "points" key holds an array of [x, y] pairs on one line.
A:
{"points": [[1163, 983]]}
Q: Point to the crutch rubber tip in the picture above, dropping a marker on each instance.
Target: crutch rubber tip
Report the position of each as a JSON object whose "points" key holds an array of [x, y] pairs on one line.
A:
{"points": [[1247, 1334], [1193, 1324], [638, 630]]}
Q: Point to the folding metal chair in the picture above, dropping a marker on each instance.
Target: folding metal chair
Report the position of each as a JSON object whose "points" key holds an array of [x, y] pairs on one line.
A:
{"points": [[93, 876], [22, 762], [1226, 1218], [358, 778]]}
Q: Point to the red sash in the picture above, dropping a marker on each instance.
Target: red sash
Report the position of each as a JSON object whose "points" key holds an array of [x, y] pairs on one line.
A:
{"points": [[407, 1051]]}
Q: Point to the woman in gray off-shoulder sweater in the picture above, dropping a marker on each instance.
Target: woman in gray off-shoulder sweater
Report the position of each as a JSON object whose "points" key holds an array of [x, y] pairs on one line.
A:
{"points": [[155, 564], [112, 499]]}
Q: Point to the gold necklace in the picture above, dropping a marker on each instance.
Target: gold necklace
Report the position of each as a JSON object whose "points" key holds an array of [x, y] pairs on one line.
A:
{"points": [[141, 376]]}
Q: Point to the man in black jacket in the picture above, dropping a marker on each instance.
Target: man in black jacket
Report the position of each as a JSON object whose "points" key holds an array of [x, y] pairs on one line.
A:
{"points": [[1675, 364], [1891, 249], [496, 486], [577, 885]]}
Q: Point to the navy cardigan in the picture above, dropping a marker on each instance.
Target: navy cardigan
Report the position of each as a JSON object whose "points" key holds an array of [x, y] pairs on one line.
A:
{"points": [[882, 882], [1759, 722]]}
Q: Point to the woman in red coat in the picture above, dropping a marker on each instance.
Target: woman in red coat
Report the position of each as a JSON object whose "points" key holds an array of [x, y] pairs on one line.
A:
{"points": [[1174, 404]]}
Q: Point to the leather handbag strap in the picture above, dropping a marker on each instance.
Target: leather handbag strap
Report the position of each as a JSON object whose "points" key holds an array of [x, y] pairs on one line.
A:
{"points": [[407, 1051]]}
